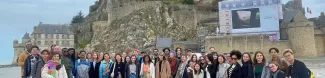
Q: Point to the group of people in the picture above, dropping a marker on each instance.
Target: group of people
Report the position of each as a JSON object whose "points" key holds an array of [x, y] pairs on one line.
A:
{"points": [[66, 63]]}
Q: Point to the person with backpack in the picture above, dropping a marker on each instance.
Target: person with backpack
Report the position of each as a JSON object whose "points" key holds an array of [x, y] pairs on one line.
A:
{"points": [[297, 69], [81, 67]]}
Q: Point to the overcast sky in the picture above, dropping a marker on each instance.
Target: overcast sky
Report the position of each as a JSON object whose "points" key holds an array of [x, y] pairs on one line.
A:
{"points": [[20, 16]]}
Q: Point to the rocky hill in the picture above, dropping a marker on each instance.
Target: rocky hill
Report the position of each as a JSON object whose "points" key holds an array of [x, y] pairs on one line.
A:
{"points": [[116, 25]]}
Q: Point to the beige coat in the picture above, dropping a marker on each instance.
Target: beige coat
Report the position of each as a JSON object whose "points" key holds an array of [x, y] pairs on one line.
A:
{"points": [[165, 72], [60, 73]]}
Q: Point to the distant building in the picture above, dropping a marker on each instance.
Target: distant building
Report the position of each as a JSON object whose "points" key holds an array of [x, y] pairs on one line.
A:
{"points": [[20, 47], [43, 36]]}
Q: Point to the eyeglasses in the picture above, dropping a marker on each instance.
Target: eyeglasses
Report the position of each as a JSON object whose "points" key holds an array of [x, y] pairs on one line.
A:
{"points": [[234, 58]]}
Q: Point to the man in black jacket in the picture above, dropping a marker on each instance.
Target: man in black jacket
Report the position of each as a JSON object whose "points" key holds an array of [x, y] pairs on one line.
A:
{"points": [[297, 69]]}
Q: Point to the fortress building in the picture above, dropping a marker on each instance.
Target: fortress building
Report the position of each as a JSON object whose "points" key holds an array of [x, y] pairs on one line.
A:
{"points": [[43, 36]]}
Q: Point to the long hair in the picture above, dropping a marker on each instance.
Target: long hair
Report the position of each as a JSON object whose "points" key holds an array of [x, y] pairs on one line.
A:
{"points": [[88, 54], [120, 58], [97, 59], [223, 57], [193, 57], [255, 60], [45, 51], [249, 60], [135, 61], [108, 56], [126, 58], [198, 72], [73, 56], [144, 57], [164, 57]]}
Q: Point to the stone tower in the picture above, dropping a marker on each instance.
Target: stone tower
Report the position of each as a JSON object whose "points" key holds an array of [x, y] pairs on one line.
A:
{"points": [[26, 38], [301, 36], [20, 47]]}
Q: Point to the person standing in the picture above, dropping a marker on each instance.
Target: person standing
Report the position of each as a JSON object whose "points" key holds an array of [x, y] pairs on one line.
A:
{"points": [[212, 66], [104, 69], [162, 67], [223, 66], [66, 61], [118, 69], [22, 57], [81, 67], [94, 67], [247, 67], [297, 68], [132, 69], [283, 65], [181, 70], [173, 62], [234, 71], [33, 64], [147, 68], [54, 68]]}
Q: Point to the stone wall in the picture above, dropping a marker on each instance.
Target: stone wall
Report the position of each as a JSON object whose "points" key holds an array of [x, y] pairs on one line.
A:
{"points": [[320, 46], [247, 43]]}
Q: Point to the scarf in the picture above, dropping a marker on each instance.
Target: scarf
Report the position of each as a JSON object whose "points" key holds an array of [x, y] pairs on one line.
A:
{"points": [[52, 67]]}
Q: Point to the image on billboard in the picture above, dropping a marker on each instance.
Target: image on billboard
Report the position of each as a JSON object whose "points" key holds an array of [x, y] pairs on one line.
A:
{"points": [[246, 18]]}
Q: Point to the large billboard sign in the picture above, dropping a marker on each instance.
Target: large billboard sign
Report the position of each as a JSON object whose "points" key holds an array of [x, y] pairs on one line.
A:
{"points": [[250, 16]]}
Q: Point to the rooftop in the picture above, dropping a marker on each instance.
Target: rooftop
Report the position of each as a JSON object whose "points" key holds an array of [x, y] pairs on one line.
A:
{"points": [[26, 36], [52, 29]]}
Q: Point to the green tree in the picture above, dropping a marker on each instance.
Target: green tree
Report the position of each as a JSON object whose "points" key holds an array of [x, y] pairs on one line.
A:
{"points": [[94, 7], [78, 18]]}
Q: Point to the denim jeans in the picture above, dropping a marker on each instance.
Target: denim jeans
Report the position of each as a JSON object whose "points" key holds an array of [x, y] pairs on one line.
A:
{"points": [[132, 75]]}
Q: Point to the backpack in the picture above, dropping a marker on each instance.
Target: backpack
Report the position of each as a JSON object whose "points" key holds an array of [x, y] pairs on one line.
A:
{"points": [[82, 70]]}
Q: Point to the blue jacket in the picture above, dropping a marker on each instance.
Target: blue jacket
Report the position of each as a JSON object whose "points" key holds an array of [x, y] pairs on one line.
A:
{"points": [[77, 63], [102, 69]]}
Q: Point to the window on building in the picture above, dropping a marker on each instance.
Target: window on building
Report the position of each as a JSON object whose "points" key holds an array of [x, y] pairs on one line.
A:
{"points": [[57, 43], [63, 43], [51, 42], [52, 35], [68, 43], [46, 43], [39, 42], [46, 36], [57, 36], [39, 36], [62, 36], [68, 36]]}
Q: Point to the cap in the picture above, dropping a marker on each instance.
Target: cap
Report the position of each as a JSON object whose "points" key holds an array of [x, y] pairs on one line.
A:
{"points": [[172, 51]]}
